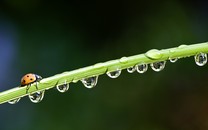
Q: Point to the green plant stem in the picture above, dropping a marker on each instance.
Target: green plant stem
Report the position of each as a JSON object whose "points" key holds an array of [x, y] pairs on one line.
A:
{"points": [[101, 68]]}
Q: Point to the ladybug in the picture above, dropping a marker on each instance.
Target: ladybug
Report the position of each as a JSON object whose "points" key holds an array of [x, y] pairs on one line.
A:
{"points": [[30, 78]]}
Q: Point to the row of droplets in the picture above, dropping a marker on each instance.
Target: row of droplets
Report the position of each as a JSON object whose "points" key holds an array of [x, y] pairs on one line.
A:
{"points": [[38, 96], [200, 60]]}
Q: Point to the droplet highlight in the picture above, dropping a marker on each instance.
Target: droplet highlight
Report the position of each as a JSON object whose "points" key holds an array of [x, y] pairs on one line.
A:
{"points": [[131, 69], [63, 88], [114, 74], [158, 66], [141, 68], [14, 101], [37, 97], [201, 59], [90, 82]]}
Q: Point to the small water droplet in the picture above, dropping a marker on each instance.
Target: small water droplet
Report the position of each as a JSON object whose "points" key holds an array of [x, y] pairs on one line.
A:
{"points": [[37, 97], [153, 54], [114, 74], [131, 69], [14, 101], [75, 80], [201, 59], [173, 60], [124, 60], [158, 66], [98, 65], [172, 51], [182, 46], [90, 82], [63, 88], [142, 68]]}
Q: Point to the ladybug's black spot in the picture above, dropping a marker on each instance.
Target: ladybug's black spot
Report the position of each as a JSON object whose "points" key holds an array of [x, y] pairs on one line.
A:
{"points": [[27, 75], [24, 81], [31, 79]]}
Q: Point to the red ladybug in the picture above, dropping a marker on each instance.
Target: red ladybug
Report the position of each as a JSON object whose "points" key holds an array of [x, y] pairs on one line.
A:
{"points": [[30, 78]]}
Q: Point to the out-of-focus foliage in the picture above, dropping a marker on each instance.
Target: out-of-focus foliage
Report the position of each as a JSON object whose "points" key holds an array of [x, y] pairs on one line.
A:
{"points": [[80, 33]]}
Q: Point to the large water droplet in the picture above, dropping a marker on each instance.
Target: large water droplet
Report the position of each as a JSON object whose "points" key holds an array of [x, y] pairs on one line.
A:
{"points": [[153, 54], [173, 60], [141, 68], [131, 69], [124, 60], [201, 59], [14, 101], [90, 82], [114, 74], [37, 97], [63, 88], [158, 66]]}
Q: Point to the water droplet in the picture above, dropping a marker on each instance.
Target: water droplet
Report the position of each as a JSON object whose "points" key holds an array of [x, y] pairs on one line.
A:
{"points": [[37, 97], [141, 68], [75, 80], [131, 69], [114, 74], [63, 88], [98, 65], [14, 101], [173, 60], [172, 51], [201, 59], [182, 46], [158, 66], [90, 82], [153, 54], [124, 60]]}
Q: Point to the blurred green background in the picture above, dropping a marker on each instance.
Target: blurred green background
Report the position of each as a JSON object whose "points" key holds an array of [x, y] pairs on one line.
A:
{"points": [[50, 37]]}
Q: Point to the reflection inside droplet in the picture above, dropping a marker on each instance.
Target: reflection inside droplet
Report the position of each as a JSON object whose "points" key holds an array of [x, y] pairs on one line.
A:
{"points": [[141, 68], [114, 74], [158, 66], [36, 97], [201, 59], [14, 101], [131, 69], [173, 60], [63, 87], [90, 82]]}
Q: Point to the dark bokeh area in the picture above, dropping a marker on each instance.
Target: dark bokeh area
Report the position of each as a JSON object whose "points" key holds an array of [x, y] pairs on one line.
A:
{"points": [[50, 37]]}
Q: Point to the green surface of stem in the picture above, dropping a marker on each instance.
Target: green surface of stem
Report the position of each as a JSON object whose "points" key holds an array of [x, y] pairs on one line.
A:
{"points": [[151, 56]]}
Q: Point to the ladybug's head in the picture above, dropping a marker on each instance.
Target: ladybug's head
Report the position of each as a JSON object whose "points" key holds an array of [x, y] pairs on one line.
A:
{"points": [[38, 77]]}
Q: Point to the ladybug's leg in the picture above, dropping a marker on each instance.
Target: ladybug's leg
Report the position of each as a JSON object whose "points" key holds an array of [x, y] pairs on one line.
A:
{"points": [[36, 85], [27, 88]]}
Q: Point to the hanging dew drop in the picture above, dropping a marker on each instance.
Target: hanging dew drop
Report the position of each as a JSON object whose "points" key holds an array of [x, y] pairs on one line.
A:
{"points": [[173, 60], [36, 97], [90, 82], [131, 69], [201, 59], [142, 68], [114, 74], [75, 80], [158, 66], [63, 88], [14, 101]]}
